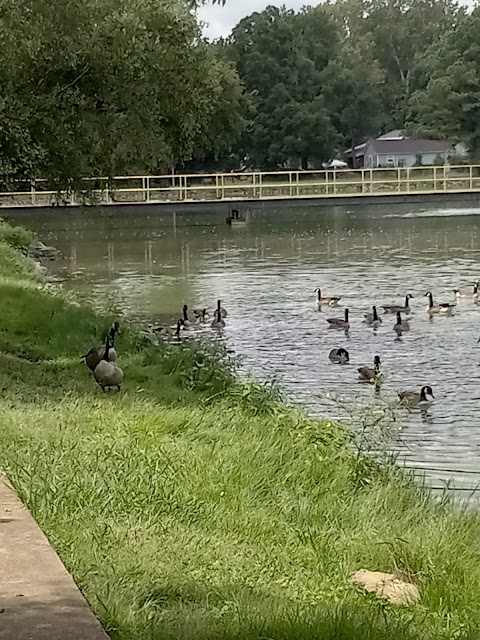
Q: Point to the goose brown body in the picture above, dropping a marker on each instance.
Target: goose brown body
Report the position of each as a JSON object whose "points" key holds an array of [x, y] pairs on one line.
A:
{"points": [[96, 354], [108, 374]]}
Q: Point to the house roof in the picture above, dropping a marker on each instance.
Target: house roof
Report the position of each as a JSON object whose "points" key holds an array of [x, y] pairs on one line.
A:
{"points": [[395, 134], [411, 145]]}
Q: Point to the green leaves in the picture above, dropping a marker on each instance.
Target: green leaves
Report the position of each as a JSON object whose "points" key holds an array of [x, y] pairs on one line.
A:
{"points": [[105, 87]]}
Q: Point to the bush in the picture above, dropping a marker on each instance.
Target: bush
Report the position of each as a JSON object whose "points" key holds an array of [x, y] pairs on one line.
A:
{"points": [[17, 237]]}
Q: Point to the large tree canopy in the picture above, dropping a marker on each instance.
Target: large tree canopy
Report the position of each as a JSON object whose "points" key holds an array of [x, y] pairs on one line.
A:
{"points": [[449, 102], [108, 86]]}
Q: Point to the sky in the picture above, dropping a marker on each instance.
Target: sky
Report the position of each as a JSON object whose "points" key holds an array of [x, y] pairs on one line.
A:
{"points": [[221, 20]]}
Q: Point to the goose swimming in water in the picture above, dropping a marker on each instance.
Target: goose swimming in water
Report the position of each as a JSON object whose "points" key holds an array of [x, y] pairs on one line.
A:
{"points": [[339, 323], [413, 399], [218, 322], [394, 308], [469, 293], [369, 374], [372, 319], [326, 301], [443, 308], [401, 326], [339, 356]]}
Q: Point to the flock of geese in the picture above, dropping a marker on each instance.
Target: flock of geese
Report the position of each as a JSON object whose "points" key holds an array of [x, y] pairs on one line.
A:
{"points": [[102, 360], [411, 399]]}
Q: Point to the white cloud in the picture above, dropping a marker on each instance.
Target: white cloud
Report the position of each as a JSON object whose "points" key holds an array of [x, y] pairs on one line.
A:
{"points": [[221, 20]]}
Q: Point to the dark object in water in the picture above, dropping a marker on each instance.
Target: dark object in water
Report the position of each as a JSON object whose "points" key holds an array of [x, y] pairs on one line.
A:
{"points": [[235, 218]]}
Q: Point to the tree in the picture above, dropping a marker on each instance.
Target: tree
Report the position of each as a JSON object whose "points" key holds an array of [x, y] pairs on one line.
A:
{"points": [[448, 105], [105, 87], [280, 57]]}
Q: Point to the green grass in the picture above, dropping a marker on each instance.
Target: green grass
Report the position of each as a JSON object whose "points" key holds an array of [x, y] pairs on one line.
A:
{"points": [[192, 506]]}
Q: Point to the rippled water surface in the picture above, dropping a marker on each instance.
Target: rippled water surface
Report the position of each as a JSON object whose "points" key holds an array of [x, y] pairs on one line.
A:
{"points": [[149, 263]]}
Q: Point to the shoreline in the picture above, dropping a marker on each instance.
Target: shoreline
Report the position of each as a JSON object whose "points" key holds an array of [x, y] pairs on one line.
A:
{"points": [[192, 505]]}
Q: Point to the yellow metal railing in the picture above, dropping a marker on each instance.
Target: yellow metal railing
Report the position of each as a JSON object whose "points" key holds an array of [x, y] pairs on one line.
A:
{"points": [[275, 185]]}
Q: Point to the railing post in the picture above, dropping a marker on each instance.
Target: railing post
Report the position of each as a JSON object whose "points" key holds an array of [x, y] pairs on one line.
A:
{"points": [[435, 188], [217, 187], [32, 192], [334, 183], [146, 188], [223, 185], [253, 186], [260, 190], [471, 177], [290, 184], [444, 178], [326, 182], [399, 185]]}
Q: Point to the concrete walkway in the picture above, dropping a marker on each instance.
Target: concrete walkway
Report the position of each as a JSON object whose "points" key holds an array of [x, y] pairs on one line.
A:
{"points": [[38, 598]]}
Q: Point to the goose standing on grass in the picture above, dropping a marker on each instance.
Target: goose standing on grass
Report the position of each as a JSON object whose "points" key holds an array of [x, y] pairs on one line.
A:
{"points": [[339, 356], [401, 326], [372, 319], [326, 301], [413, 399], [369, 374], [441, 308], [108, 374], [93, 357], [395, 308], [468, 293], [339, 323], [218, 322]]}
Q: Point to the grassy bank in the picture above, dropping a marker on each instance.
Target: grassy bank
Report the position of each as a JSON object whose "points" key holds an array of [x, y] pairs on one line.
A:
{"points": [[190, 506]]}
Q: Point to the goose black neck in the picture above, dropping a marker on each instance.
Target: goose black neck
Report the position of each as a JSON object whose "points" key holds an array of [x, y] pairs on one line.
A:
{"points": [[375, 316], [346, 315], [107, 348], [399, 317], [430, 300], [319, 294], [185, 309]]}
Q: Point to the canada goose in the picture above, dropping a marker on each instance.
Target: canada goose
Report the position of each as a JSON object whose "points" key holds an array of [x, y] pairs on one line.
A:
{"points": [[394, 308], [218, 322], [186, 322], [176, 337], [372, 319], [367, 374], [468, 293], [414, 399], [339, 323], [222, 310], [108, 374], [401, 325], [339, 356], [201, 317], [93, 357], [327, 301], [444, 308]]}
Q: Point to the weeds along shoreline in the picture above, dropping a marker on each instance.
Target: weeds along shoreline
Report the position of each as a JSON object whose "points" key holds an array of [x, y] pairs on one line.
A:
{"points": [[194, 505]]}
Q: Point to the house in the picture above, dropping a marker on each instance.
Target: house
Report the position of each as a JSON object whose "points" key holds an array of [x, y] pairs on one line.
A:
{"points": [[394, 149]]}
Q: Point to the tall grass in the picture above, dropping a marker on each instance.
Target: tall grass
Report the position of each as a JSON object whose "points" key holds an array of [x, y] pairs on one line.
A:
{"points": [[193, 506]]}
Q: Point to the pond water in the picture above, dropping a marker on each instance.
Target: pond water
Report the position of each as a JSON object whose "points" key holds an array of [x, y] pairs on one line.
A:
{"points": [[149, 263]]}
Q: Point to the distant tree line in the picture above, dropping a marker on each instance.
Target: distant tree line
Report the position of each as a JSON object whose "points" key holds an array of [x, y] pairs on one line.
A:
{"points": [[105, 87], [330, 76]]}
